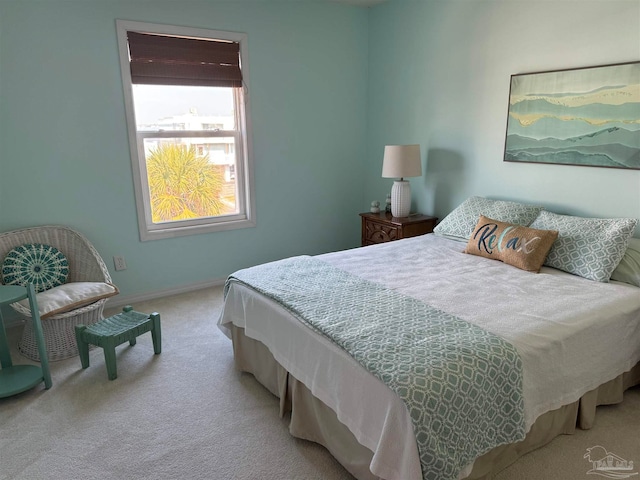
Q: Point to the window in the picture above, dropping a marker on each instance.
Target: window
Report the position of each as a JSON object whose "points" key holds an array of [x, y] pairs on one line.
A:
{"points": [[185, 101]]}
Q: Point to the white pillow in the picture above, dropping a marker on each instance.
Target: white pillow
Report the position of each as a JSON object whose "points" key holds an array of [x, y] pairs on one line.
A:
{"points": [[628, 270], [70, 296]]}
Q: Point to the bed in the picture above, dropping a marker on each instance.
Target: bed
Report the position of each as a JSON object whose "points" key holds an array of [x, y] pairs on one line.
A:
{"points": [[552, 318]]}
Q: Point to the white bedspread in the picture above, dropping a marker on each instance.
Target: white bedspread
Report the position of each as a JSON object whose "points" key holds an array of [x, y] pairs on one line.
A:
{"points": [[572, 334]]}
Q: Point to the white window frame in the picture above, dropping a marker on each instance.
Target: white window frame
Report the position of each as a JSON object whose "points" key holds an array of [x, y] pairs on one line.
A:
{"points": [[245, 196]]}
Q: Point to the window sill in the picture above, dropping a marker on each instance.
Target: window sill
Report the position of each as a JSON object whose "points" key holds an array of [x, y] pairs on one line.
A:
{"points": [[172, 232]]}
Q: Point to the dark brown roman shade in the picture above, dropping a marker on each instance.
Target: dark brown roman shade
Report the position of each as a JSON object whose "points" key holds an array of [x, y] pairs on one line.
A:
{"points": [[165, 60]]}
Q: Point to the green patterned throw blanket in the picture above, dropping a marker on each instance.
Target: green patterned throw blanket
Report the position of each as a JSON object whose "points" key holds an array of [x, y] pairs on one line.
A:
{"points": [[461, 384]]}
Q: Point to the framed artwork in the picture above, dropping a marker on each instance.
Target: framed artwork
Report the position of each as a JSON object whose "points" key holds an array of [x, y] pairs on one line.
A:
{"points": [[583, 116]]}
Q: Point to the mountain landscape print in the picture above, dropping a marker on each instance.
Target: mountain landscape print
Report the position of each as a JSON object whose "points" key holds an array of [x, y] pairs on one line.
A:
{"points": [[588, 116]]}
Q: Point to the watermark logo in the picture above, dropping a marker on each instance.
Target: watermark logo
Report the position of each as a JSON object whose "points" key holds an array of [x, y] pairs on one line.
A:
{"points": [[608, 464]]}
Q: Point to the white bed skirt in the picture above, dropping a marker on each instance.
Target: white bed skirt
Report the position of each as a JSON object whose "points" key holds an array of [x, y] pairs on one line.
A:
{"points": [[312, 420]]}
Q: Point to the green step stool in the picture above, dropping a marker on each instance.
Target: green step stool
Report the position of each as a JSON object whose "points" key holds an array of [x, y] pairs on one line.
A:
{"points": [[115, 330]]}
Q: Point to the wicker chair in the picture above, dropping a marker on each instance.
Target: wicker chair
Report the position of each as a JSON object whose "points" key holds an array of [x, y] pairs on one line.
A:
{"points": [[85, 265]]}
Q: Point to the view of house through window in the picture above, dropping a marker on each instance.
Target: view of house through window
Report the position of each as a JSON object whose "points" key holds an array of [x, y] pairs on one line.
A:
{"points": [[186, 113], [189, 175]]}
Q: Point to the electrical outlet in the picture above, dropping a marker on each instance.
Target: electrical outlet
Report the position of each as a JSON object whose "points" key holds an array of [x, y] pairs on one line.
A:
{"points": [[119, 263]]}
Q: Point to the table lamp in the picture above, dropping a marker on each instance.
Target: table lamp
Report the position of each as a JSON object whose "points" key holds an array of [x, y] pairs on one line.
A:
{"points": [[401, 161]]}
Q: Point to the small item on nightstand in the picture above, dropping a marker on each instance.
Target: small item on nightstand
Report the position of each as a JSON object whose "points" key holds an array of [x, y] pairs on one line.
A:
{"points": [[387, 208], [375, 207]]}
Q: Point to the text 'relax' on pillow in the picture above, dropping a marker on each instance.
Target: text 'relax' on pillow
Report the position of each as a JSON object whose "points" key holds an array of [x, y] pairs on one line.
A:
{"points": [[460, 223], [588, 247], [522, 247], [42, 265]]}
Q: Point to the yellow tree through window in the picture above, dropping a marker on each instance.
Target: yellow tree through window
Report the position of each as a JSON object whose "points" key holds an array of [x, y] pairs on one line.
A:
{"points": [[183, 185]]}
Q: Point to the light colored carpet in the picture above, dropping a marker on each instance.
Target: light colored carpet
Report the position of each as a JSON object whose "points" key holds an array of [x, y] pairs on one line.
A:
{"points": [[188, 414]]}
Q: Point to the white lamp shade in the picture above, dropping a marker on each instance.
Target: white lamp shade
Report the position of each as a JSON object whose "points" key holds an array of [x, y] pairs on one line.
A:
{"points": [[401, 161]]}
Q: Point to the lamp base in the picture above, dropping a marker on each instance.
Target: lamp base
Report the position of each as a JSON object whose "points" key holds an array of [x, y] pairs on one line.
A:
{"points": [[400, 198]]}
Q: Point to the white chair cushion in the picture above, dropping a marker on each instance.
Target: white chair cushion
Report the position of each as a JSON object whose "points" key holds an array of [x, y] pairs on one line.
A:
{"points": [[70, 296]]}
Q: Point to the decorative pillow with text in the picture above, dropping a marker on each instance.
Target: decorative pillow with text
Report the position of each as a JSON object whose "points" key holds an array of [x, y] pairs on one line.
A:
{"points": [[522, 247]]}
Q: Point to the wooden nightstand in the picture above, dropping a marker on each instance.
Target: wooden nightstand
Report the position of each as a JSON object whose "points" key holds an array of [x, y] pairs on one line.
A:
{"points": [[383, 227]]}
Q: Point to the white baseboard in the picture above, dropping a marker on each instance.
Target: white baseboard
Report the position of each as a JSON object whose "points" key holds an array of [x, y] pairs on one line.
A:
{"points": [[121, 300], [13, 319]]}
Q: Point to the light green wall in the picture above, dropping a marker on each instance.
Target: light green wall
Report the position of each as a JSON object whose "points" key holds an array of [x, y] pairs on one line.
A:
{"points": [[331, 84], [439, 75], [65, 154]]}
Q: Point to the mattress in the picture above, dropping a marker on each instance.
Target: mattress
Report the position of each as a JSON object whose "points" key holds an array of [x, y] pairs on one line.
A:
{"points": [[572, 335]]}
